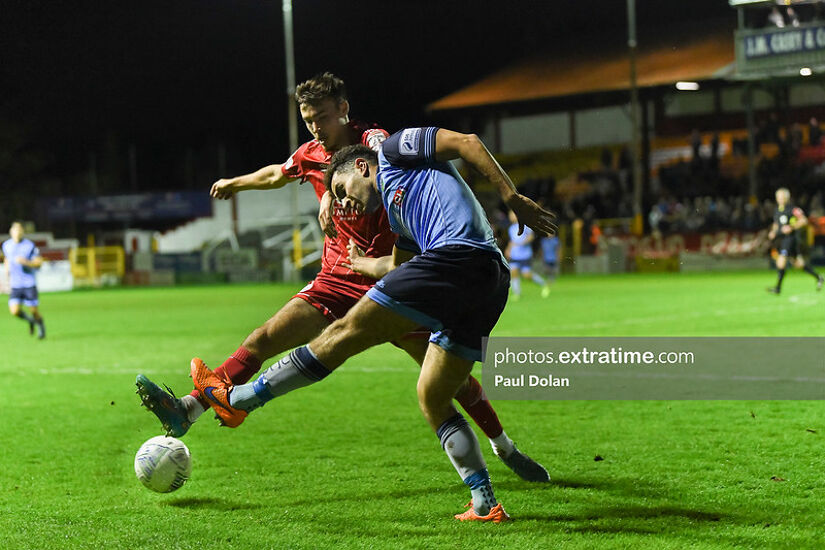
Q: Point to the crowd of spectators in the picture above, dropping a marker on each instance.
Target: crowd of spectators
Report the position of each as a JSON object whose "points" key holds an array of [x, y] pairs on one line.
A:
{"points": [[694, 194]]}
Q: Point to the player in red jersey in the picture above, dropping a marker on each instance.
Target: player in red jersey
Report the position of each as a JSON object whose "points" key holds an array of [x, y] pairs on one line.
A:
{"points": [[324, 108]]}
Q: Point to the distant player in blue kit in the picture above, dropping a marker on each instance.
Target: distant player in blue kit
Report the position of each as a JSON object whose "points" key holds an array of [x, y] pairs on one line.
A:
{"points": [[550, 260], [454, 281], [520, 255], [22, 259]]}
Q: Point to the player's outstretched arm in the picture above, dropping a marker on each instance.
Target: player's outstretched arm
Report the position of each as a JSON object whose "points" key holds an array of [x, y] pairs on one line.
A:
{"points": [[375, 267], [772, 232], [268, 177], [325, 215], [451, 145]]}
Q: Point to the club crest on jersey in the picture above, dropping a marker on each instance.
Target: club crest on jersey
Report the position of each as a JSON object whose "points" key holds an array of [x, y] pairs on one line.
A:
{"points": [[398, 198], [408, 142]]}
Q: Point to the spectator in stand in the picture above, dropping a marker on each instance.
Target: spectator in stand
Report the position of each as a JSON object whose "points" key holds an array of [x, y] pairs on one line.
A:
{"points": [[814, 132], [713, 162], [607, 159], [625, 168], [772, 128], [695, 145], [793, 19], [775, 18], [795, 139]]}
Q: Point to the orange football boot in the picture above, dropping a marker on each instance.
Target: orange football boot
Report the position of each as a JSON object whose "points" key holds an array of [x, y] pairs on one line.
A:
{"points": [[496, 514], [215, 390]]}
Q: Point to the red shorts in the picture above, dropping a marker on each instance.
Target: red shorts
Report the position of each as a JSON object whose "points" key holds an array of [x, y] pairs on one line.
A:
{"points": [[334, 297]]}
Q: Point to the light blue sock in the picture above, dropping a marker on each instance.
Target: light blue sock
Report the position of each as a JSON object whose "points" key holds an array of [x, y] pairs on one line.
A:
{"points": [[298, 369]]}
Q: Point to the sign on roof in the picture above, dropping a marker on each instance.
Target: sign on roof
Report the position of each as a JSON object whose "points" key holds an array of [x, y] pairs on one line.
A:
{"points": [[781, 42]]}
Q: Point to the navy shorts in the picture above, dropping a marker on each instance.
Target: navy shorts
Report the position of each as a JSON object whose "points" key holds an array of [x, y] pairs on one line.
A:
{"points": [[28, 296], [521, 265], [458, 292], [788, 246]]}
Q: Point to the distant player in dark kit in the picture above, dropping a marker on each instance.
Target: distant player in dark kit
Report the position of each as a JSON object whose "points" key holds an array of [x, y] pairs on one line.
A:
{"points": [[22, 259], [787, 221], [453, 280]]}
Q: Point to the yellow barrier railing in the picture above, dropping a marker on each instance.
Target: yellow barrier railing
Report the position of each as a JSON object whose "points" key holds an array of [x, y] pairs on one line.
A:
{"points": [[90, 264]]}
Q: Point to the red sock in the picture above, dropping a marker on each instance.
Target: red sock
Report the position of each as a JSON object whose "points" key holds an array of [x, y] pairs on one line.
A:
{"points": [[240, 367], [475, 402]]}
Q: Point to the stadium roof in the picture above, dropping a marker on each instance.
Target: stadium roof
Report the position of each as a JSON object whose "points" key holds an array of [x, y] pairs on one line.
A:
{"points": [[688, 55]]}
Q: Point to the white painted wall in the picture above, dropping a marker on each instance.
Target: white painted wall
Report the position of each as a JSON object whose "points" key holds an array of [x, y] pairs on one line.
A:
{"points": [[681, 103], [255, 209], [603, 126], [803, 95], [535, 133]]}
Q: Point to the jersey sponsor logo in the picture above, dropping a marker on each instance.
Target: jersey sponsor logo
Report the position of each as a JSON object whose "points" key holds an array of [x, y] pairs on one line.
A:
{"points": [[783, 219], [408, 142], [398, 197], [374, 139]]}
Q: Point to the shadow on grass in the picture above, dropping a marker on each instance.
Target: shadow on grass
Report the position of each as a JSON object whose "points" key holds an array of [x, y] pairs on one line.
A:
{"points": [[211, 504], [628, 511]]}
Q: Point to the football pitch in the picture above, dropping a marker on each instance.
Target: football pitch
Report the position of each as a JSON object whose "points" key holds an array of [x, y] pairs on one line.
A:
{"points": [[351, 463]]}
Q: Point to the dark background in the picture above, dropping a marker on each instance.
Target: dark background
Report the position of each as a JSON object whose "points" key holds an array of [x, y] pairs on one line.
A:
{"points": [[84, 83]]}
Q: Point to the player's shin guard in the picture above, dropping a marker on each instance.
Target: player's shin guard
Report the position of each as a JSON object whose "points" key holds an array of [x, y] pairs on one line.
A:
{"points": [[240, 367], [473, 400], [463, 450], [298, 369]]}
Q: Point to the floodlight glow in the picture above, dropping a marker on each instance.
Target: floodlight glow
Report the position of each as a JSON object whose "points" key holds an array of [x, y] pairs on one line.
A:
{"points": [[805, 71], [687, 86]]}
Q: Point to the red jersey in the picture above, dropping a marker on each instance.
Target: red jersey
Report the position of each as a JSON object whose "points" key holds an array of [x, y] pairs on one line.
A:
{"points": [[371, 232]]}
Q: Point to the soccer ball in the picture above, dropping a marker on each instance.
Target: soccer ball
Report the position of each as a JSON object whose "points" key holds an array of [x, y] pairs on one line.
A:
{"points": [[163, 464]]}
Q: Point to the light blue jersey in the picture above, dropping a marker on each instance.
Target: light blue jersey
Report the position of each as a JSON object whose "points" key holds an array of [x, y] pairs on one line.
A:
{"points": [[428, 202], [20, 276], [521, 245], [550, 249]]}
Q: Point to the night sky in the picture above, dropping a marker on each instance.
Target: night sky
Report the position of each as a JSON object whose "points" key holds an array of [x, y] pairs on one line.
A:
{"points": [[79, 76]]}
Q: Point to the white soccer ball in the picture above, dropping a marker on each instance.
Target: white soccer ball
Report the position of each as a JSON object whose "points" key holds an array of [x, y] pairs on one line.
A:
{"points": [[163, 464]]}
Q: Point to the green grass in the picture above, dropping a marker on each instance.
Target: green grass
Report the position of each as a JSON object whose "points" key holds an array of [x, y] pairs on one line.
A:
{"points": [[350, 462]]}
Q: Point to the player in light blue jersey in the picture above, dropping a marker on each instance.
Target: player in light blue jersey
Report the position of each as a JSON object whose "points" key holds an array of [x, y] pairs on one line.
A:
{"points": [[22, 259], [520, 255], [550, 257], [454, 281]]}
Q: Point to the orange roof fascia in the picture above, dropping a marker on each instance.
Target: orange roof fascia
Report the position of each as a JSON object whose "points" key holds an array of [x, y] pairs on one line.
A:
{"points": [[546, 78]]}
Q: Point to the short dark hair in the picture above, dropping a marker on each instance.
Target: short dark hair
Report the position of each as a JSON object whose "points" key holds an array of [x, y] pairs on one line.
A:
{"points": [[344, 161], [320, 87]]}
